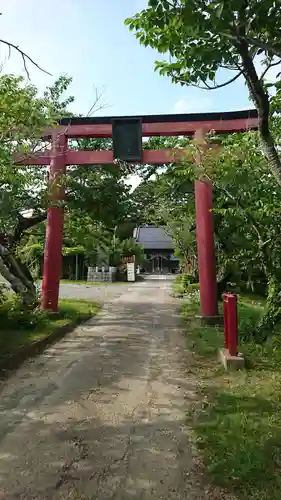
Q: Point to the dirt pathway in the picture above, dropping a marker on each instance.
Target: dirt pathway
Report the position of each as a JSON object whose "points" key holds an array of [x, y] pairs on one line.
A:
{"points": [[101, 415]]}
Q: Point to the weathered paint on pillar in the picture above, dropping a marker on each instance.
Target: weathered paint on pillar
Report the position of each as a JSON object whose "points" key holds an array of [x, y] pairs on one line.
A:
{"points": [[206, 249], [54, 231]]}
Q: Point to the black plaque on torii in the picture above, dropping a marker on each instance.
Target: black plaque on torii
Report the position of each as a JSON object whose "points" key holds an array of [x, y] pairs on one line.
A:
{"points": [[127, 139]]}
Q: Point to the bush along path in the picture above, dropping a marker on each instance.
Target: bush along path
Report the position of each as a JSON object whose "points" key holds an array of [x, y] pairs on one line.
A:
{"points": [[26, 333], [236, 421]]}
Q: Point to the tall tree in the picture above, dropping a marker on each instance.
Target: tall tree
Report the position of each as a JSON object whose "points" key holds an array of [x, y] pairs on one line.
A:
{"points": [[203, 37], [97, 193], [24, 115]]}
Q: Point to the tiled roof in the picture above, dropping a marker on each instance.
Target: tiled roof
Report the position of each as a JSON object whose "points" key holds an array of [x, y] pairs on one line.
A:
{"points": [[153, 238]]}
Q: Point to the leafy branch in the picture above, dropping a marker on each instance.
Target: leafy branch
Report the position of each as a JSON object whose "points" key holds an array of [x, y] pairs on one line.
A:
{"points": [[206, 85]]}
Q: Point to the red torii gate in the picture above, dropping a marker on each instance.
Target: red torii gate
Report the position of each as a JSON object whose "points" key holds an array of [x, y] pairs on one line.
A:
{"points": [[157, 125]]}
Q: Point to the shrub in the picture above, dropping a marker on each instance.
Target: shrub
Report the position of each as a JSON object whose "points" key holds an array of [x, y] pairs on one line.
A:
{"points": [[3, 293], [16, 316]]}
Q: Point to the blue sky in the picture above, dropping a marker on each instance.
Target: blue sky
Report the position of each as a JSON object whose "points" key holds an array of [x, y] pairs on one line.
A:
{"points": [[87, 40]]}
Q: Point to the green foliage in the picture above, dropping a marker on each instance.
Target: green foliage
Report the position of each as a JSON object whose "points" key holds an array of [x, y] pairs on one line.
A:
{"points": [[130, 248], [125, 248], [247, 202], [203, 37], [98, 192], [247, 206], [31, 253], [79, 250], [24, 116], [96, 243], [184, 285], [250, 310], [3, 293], [54, 95], [15, 316], [145, 203], [272, 314], [203, 41], [165, 197], [20, 329], [185, 280], [97, 199]]}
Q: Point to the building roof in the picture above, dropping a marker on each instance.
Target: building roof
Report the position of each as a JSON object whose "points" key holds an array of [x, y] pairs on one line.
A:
{"points": [[153, 238]]}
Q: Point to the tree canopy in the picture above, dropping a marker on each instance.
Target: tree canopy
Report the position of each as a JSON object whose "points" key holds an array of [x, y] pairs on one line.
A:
{"points": [[202, 39], [97, 198]]}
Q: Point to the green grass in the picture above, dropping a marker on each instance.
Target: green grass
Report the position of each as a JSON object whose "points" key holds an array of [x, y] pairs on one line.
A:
{"points": [[237, 422], [179, 288], [20, 329], [177, 285]]}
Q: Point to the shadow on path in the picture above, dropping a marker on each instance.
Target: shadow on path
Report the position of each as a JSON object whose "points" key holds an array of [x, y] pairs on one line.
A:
{"points": [[101, 415]]}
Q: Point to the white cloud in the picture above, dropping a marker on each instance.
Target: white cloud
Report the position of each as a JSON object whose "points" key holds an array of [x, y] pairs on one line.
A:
{"points": [[271, 75], [193, 105]]}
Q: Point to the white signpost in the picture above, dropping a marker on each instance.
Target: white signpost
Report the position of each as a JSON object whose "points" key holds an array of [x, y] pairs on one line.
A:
{"points": [[131, 271]]}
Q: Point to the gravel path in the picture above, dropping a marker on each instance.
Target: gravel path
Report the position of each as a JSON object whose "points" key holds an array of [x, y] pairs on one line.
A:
{"points": [[101, 414], [99, 293], [102, 293]]}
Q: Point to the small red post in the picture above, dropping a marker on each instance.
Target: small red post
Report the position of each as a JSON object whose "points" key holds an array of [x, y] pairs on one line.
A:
{"points": [[232, 325], [54, 231], [225, 319], [206, 249]]}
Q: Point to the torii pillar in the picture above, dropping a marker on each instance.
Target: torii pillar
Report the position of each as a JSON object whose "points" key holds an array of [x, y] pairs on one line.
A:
{"points": [[205, 233], [206, 249], [54, 230]]}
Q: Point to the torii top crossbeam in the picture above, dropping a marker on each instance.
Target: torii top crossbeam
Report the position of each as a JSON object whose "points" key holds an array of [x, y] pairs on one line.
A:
{"points": [[164, 125], [151, 125]]}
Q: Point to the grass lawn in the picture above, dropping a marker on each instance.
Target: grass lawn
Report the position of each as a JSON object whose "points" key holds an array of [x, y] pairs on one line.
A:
{"points": [[20, 330], [237, 422]]}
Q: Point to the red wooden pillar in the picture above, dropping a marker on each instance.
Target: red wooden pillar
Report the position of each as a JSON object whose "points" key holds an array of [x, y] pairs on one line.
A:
{"points": [[206, 249], [54, 232]]}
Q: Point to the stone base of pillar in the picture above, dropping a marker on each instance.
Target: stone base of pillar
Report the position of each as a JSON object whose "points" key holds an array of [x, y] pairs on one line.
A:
{"points": [[211, 320], [231, 362]]}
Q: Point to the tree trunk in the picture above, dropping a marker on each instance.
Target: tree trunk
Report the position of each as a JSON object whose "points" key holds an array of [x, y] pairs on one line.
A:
{"points": [[261, 101], [271, 154], [12, 269], [18, 276], [23, 224]]}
